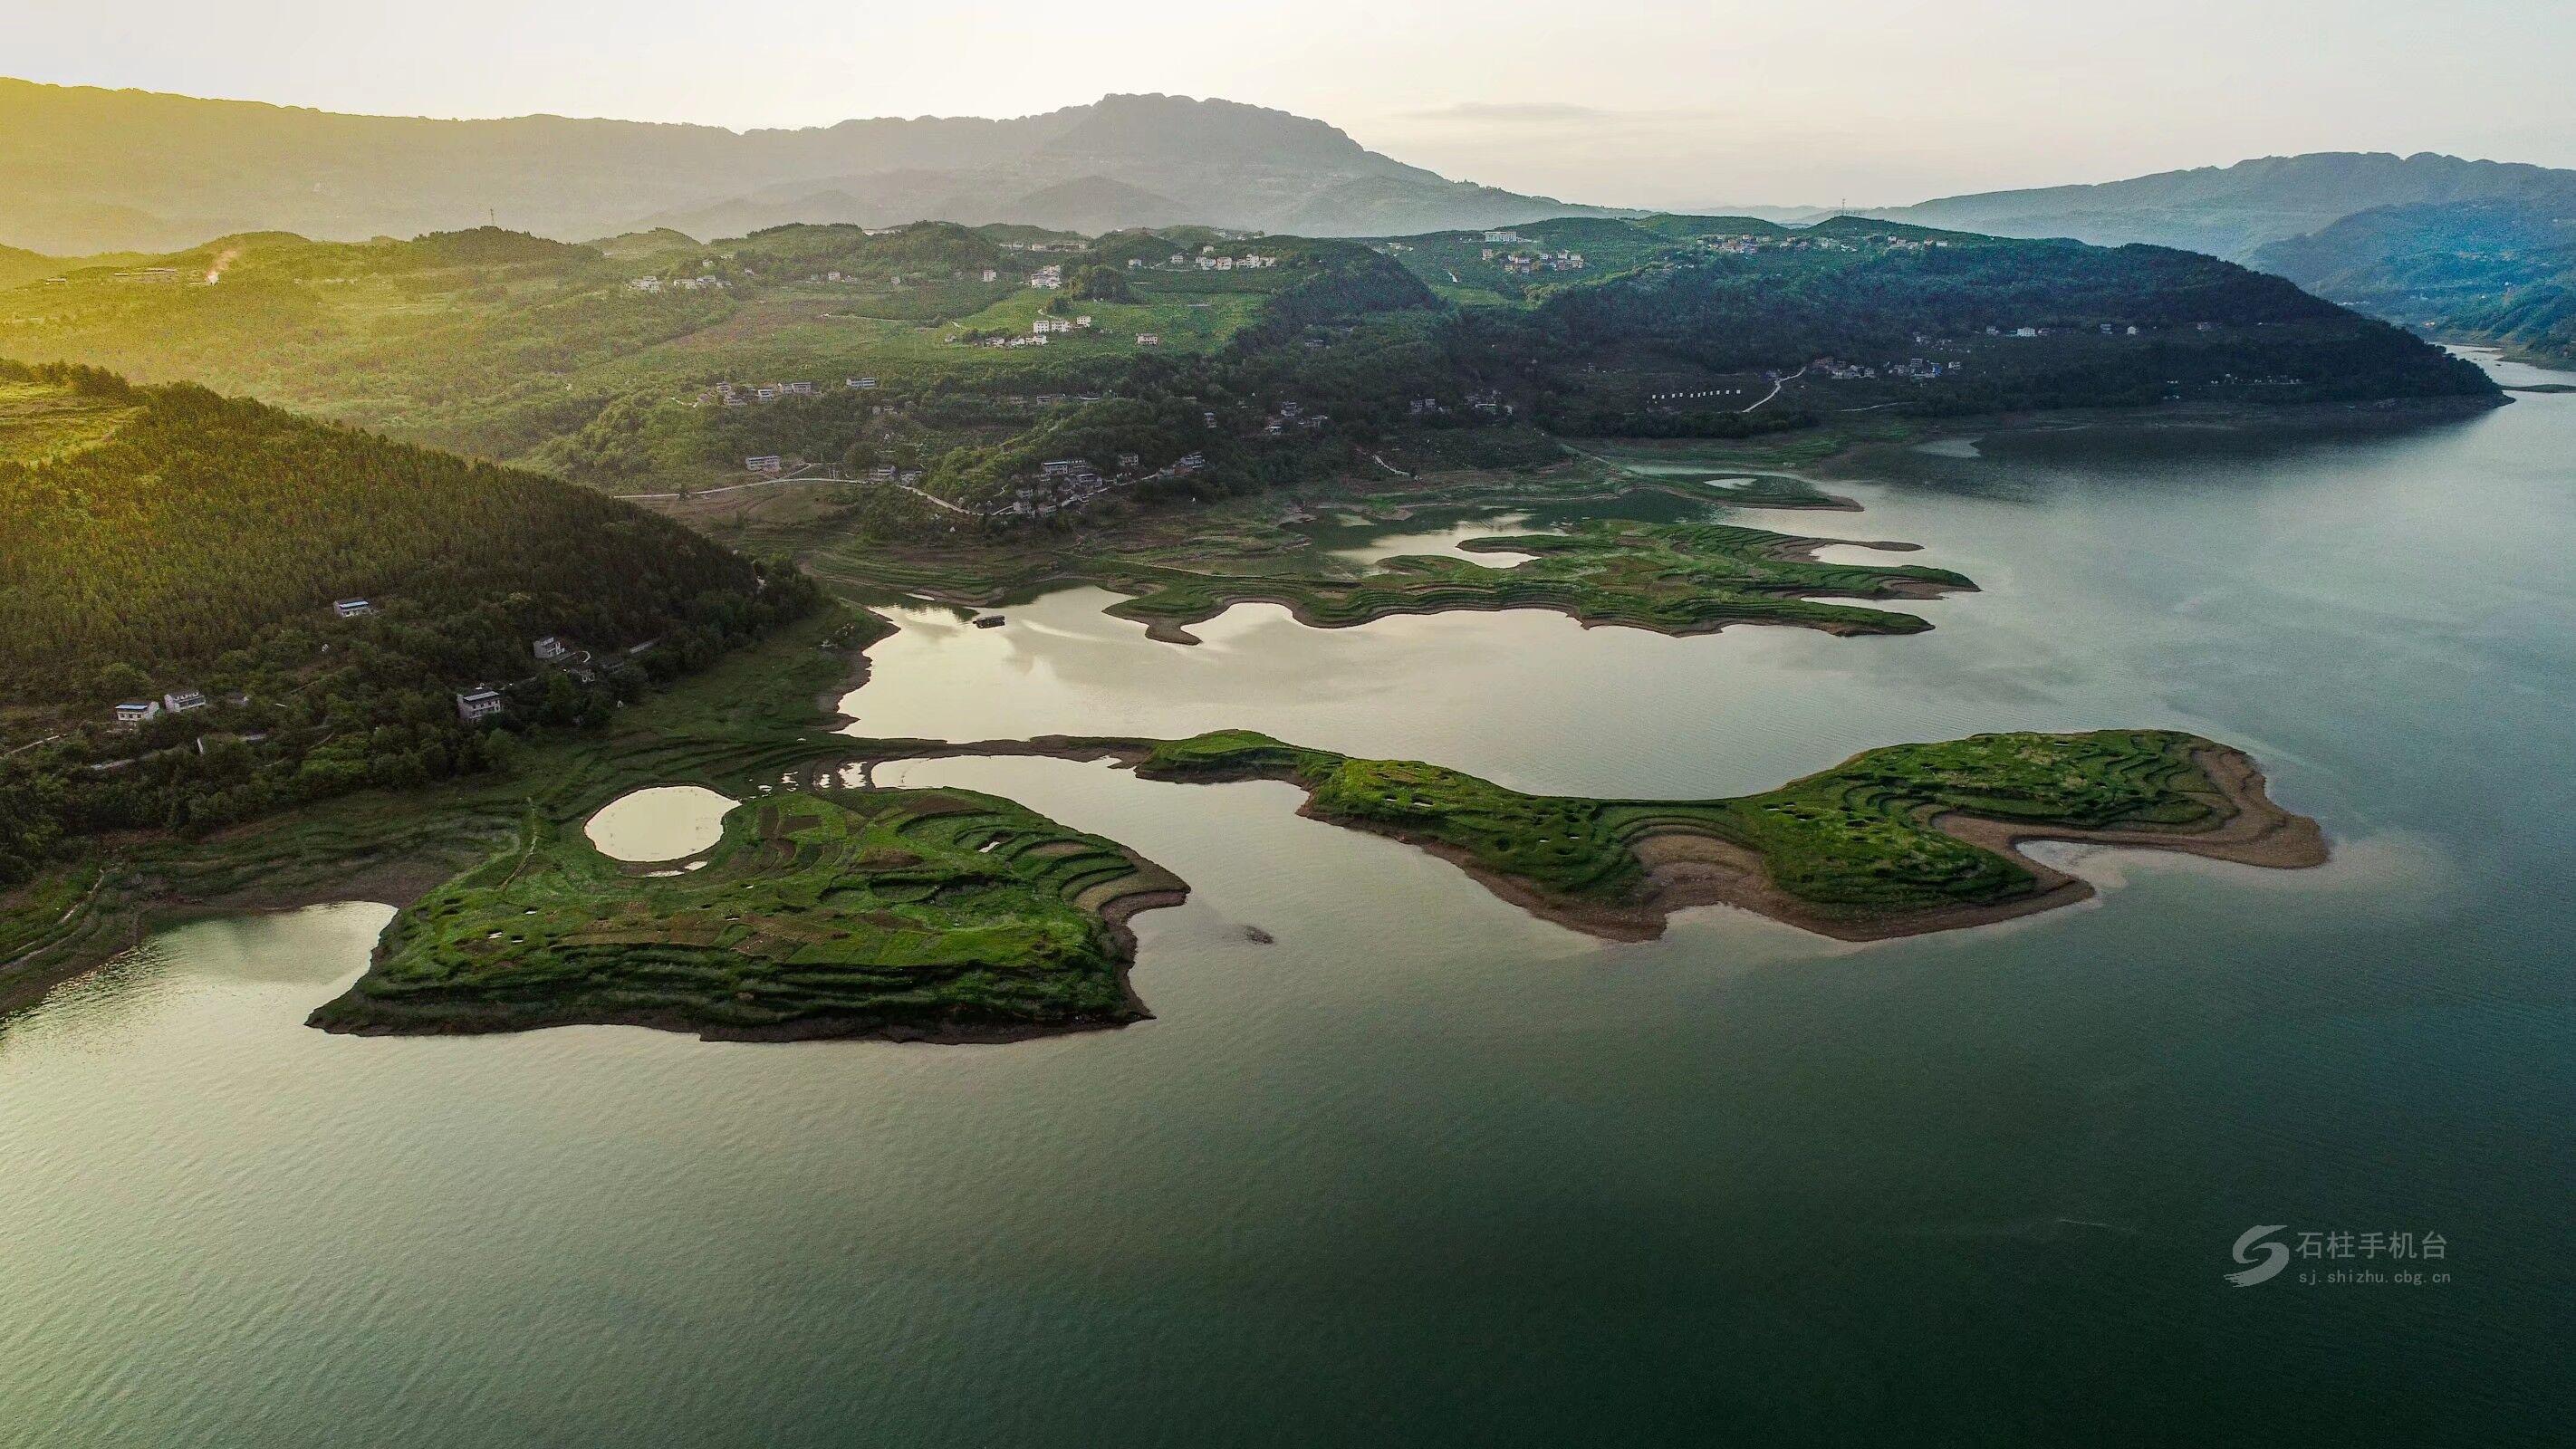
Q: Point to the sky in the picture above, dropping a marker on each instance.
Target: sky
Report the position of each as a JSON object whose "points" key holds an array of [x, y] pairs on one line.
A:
{"points": [[1621, 102]]}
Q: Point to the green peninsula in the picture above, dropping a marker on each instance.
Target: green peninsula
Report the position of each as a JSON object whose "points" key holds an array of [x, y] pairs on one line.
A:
{"points": [[948, 915], [910, 914], [1897, 841]]}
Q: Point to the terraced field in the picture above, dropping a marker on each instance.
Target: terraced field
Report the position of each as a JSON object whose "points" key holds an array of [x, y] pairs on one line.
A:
{"points": [[1894, 841], [1673, 578], [905, 913]]}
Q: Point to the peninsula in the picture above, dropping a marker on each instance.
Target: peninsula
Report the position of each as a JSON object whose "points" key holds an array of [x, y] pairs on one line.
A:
{"points": [[947, 915]]}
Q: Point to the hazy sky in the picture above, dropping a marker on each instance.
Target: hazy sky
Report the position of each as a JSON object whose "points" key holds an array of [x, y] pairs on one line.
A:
{"points": [[1614, 101]]}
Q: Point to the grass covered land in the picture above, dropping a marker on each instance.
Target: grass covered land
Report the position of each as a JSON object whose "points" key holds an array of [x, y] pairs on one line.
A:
{"points": [[905, 913], [1894, 841], [1669, 570], [1673, 578]]}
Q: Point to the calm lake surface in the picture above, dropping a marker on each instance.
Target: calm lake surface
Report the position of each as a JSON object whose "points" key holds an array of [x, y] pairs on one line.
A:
{"points": [[1427, 1168]]}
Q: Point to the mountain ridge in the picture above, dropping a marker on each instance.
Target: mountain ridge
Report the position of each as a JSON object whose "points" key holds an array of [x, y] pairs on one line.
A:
{"points": [[93, 169]]}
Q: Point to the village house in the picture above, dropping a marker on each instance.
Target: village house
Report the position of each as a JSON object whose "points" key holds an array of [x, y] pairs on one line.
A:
{"points": [[138, 712], [859, 384], [550, 648], [183, 700], [351, 608], [991, 275], [764, 463], [1149, 339], [1045, 325], [1048, 278], [480, 702], [800, 389]]}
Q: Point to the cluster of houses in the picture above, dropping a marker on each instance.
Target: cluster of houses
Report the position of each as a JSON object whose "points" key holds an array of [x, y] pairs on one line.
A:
{"points": [[1526, 263], [1208, 259], [1292, 415], [1065, 484], [1047, 278], [483, 701], [1917, 368], [681, 284], [135, 712], [1745, 246], [734, 395], [1046, 325]]}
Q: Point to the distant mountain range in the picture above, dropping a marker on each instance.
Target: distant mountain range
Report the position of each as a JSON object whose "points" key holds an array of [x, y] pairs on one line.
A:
{"points": [[2234, 211], [89, 170], [2475, 250]]}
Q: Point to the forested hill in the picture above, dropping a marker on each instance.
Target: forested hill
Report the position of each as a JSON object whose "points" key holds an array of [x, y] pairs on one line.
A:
{"points": [[184, 552], [158, 527], [2491, 271], [1859, 313]]}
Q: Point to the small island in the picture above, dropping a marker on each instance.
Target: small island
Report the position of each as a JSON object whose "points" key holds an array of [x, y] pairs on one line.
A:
{"points": [[1673, 578], [1899, 841], [919, 915]]}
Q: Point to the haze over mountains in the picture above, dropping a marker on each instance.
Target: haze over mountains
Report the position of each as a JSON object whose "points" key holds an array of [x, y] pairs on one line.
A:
{"points": [[2233, 211], [91, 170], [2481, 250]]}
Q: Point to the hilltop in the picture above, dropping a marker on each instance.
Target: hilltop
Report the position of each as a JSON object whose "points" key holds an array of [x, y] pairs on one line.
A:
{"points": [[91, 170]]}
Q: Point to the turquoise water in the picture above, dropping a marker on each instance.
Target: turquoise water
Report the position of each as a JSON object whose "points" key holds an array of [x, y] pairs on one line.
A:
{"points": [[1427, 1168]]}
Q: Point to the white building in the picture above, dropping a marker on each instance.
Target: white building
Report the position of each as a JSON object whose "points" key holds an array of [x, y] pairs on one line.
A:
{"points": [[550, 648], [138, 711], [351, 608], [764, 463], [181, 701], [480, 702]]}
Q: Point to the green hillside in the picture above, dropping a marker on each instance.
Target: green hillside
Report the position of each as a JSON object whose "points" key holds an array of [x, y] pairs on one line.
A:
{"points": [[2500, 272], [954, 362], [165, 541]]}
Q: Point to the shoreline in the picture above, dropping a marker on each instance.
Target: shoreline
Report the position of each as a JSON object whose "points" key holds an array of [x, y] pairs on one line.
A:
{"points": [[1690, 868]]}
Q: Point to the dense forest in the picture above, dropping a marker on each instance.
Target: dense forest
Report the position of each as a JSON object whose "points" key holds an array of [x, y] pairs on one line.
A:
{"points": [[165, 541]]}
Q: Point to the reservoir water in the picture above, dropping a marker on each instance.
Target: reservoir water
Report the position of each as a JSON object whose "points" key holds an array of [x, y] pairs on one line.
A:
{"points": [[1426, 1168]]}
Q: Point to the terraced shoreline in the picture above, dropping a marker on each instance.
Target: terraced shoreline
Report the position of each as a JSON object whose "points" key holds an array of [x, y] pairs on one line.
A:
{"points": [[911, 915], [950, 915], [1905, 840]]}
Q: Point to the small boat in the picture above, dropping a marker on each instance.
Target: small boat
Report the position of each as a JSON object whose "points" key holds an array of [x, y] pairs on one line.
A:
{"points": [[989, 621]]}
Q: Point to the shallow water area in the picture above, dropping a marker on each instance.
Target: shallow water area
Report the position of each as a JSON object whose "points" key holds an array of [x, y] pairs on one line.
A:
{"points": [[665, 822]]}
